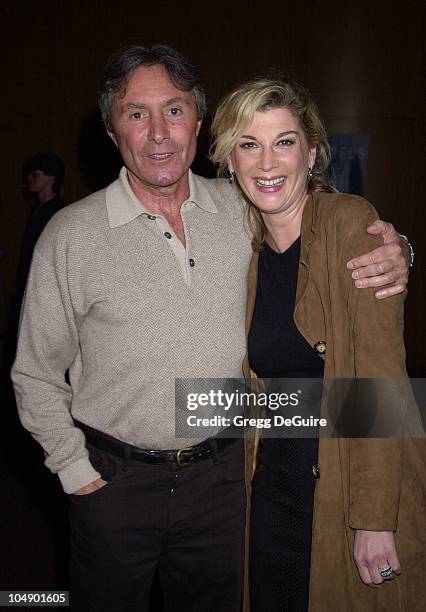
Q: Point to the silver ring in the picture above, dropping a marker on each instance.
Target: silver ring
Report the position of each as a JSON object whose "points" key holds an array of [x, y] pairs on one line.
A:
{"points": [[386, 572]]}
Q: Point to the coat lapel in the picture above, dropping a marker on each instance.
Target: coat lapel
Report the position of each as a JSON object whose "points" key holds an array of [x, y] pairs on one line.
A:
{"points": [[307, 234]]}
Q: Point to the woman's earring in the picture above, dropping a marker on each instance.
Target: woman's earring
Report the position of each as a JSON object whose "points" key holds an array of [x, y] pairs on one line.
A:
{"points": [[231, 176], [309, 174]]}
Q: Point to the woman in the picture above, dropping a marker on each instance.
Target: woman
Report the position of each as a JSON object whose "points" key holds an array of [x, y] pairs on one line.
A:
{"points": [[339, 542]]}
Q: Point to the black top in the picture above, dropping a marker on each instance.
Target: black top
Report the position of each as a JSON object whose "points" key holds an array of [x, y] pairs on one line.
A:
{"points": [[276, 347], [278, 350]]}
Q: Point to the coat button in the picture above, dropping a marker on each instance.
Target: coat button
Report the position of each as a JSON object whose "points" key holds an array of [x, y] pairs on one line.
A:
{"points": [[151, 217], [320, 346], [316, 471], [191, 262], [167, 235]]}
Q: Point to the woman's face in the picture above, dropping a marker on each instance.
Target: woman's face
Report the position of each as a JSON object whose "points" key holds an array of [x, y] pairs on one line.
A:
{"points": [[271, 161]]}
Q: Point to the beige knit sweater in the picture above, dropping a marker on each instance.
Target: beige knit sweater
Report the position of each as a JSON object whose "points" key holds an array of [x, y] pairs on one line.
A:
{"points": [[114, 297]]}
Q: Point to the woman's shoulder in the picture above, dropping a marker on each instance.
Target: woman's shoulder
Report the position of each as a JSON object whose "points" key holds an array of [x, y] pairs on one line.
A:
{"points": [[343, 208]]}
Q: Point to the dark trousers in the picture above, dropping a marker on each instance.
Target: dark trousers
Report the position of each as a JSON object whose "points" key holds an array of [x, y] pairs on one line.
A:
{"points": [[187, 523]]}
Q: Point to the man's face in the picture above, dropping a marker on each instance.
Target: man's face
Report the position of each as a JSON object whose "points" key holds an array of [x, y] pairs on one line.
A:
{"points": [[155, 127], [38, 181]]}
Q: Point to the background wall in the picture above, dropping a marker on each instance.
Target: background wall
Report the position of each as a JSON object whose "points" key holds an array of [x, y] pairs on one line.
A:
{"points": [[364, 65]]}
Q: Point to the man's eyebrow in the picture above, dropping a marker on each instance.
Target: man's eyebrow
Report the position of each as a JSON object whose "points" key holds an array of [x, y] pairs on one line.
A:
{"points": [[141, 105], [278, 135], [178, 99]]}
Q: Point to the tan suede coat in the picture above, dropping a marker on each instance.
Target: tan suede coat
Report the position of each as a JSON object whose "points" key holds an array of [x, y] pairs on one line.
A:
{"points": [[372, 484]]}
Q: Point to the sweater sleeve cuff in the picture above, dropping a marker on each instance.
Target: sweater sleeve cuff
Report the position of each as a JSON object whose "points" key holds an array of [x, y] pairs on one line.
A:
{"points": [[77, 475]]}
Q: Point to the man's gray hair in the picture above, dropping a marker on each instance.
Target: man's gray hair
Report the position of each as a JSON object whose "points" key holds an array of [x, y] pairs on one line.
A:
{"points": [[120, 67]]}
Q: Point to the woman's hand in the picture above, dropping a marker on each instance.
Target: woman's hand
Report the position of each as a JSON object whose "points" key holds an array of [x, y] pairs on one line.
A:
{"points": [[373, 551]]}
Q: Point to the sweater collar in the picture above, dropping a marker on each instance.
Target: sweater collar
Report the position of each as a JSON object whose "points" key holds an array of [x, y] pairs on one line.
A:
{"points": [[123, 206]]}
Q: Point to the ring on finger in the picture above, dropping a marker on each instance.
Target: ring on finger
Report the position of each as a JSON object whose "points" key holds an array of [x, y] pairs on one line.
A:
{"points": [[386, 572]]}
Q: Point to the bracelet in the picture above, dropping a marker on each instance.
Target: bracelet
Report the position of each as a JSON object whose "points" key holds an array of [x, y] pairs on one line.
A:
{"points": [[411, 250]]}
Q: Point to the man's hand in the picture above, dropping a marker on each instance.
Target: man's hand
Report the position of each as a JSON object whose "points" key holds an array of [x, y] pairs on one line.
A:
{"points": [[91, 487], [386, 265], [373, 551]]}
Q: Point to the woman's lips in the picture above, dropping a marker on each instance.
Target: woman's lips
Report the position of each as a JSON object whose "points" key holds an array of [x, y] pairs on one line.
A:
{"points": [[270, 184]]}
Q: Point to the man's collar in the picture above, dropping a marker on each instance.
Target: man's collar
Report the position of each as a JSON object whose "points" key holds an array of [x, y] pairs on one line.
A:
{"points": [[123, 206], [199, 195]]}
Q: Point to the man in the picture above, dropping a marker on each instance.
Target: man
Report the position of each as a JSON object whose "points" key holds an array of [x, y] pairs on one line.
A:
{"points": [[138, 284], [43, 175]]}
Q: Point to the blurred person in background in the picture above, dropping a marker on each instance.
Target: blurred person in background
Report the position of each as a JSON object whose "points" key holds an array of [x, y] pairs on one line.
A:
{"points": [[43, 178]]}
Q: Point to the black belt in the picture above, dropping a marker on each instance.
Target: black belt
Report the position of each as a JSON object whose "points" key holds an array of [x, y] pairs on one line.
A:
{"points": [[183, 456]]}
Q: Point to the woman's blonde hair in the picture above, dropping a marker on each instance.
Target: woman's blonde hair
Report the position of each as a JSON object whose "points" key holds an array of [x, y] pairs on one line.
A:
{"points": [[235, 113]]}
